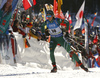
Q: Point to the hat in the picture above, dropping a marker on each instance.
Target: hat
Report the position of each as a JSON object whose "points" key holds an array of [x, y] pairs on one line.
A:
{"points": [[50, 12]]}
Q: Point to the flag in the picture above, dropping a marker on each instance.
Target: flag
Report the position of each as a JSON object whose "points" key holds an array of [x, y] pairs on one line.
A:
{"points": [[55, 6], [79, 16], [4, 23], [14, 4], [26, 4], [59, 5], [83, 27], [83, 30], [49, 7], [55, 10], [44, 14], [95, 38], [70, 20], [68, 17], [2, 3], [95, 14], [34, 2]]}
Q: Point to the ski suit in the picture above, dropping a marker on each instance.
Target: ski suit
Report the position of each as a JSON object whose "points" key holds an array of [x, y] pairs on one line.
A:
{"points": [[57, 37]]}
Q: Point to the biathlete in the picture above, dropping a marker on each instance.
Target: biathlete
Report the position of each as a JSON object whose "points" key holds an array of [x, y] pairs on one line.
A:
{"points": [[53, 25]]}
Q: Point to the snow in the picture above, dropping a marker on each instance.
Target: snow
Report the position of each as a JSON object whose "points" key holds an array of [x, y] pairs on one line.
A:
{"points": [[21, 71], [34, 62]]}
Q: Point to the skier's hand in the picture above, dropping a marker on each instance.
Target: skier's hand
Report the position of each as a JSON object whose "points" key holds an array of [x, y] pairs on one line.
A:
{"points": [[39, 38], [44, 37]]}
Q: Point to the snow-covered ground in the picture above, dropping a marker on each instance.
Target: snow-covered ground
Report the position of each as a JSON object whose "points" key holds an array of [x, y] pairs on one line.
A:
{"points": [[22, 71], [34, 62]]}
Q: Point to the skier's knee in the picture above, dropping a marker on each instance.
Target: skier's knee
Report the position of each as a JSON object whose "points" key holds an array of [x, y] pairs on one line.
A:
{"points": [[71, 53]]}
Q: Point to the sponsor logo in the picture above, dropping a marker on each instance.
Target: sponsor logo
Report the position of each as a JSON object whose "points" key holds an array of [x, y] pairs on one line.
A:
{"points": [[52, 25]]}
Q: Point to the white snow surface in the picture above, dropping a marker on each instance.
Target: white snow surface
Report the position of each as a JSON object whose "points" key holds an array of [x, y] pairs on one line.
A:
{"points": [[34, 62]]}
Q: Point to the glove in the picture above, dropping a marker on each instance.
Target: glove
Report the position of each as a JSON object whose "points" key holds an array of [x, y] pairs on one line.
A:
{"points": [[38, 39], [66, 35], [44, 37]]}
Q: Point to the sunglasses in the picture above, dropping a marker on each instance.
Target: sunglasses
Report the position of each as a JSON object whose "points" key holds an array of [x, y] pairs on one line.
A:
{"points": [[48, 15]]}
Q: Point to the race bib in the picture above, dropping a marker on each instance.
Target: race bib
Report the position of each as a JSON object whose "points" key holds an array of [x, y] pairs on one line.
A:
{"points": [[55, 31]]}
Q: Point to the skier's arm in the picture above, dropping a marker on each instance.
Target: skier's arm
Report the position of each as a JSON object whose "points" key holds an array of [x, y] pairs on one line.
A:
{"points": [[67, 26], [42, 32], [65, 22]]}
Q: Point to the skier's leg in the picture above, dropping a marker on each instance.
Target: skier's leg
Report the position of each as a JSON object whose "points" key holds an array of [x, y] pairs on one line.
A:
{"points": [[52, 57], [67, 47]]}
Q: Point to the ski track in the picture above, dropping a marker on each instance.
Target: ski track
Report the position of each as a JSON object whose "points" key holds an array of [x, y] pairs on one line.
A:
{"points": [[8, 71]]}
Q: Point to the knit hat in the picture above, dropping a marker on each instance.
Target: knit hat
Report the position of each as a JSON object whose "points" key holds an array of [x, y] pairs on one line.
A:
{"points": [[50, 12]]}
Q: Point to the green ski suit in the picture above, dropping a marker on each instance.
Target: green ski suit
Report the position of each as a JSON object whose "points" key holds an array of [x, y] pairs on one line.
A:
{"points": [[57, 37]]}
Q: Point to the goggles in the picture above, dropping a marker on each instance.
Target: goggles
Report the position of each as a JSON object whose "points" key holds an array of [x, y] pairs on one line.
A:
{"points": [[48, 15]]}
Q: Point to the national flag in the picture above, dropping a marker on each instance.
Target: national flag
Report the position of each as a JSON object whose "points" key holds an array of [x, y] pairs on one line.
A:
{"points": [[44, 12], [68, 17], [83, 27], [55, 9], [55, 6], [51, 7], [95, 38], [28, 17], [59, 5], [79, 16], [26, 4], [34, 2], [47, 7], [95, 14], [70, 20], [26, 43], [30, 25], [83, 30]]}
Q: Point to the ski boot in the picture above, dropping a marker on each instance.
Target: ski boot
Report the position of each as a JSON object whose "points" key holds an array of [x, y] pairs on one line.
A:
{"points": [[82, 66], [54, 70]]}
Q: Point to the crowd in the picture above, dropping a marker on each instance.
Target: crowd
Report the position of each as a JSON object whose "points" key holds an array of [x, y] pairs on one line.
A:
{"points": [[40, 29], [93, 56]]}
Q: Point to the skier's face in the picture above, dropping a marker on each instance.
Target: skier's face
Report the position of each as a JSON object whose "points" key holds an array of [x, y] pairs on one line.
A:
{"points": [[50, 17]]}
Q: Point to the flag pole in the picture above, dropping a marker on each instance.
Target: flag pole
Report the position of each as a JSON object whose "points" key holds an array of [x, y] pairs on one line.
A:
{"points": [[86, 35]]}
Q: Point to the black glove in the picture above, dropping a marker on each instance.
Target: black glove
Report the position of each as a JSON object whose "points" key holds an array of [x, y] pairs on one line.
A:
{"points": [[38, 39], [44, 37], [66, 35]]}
